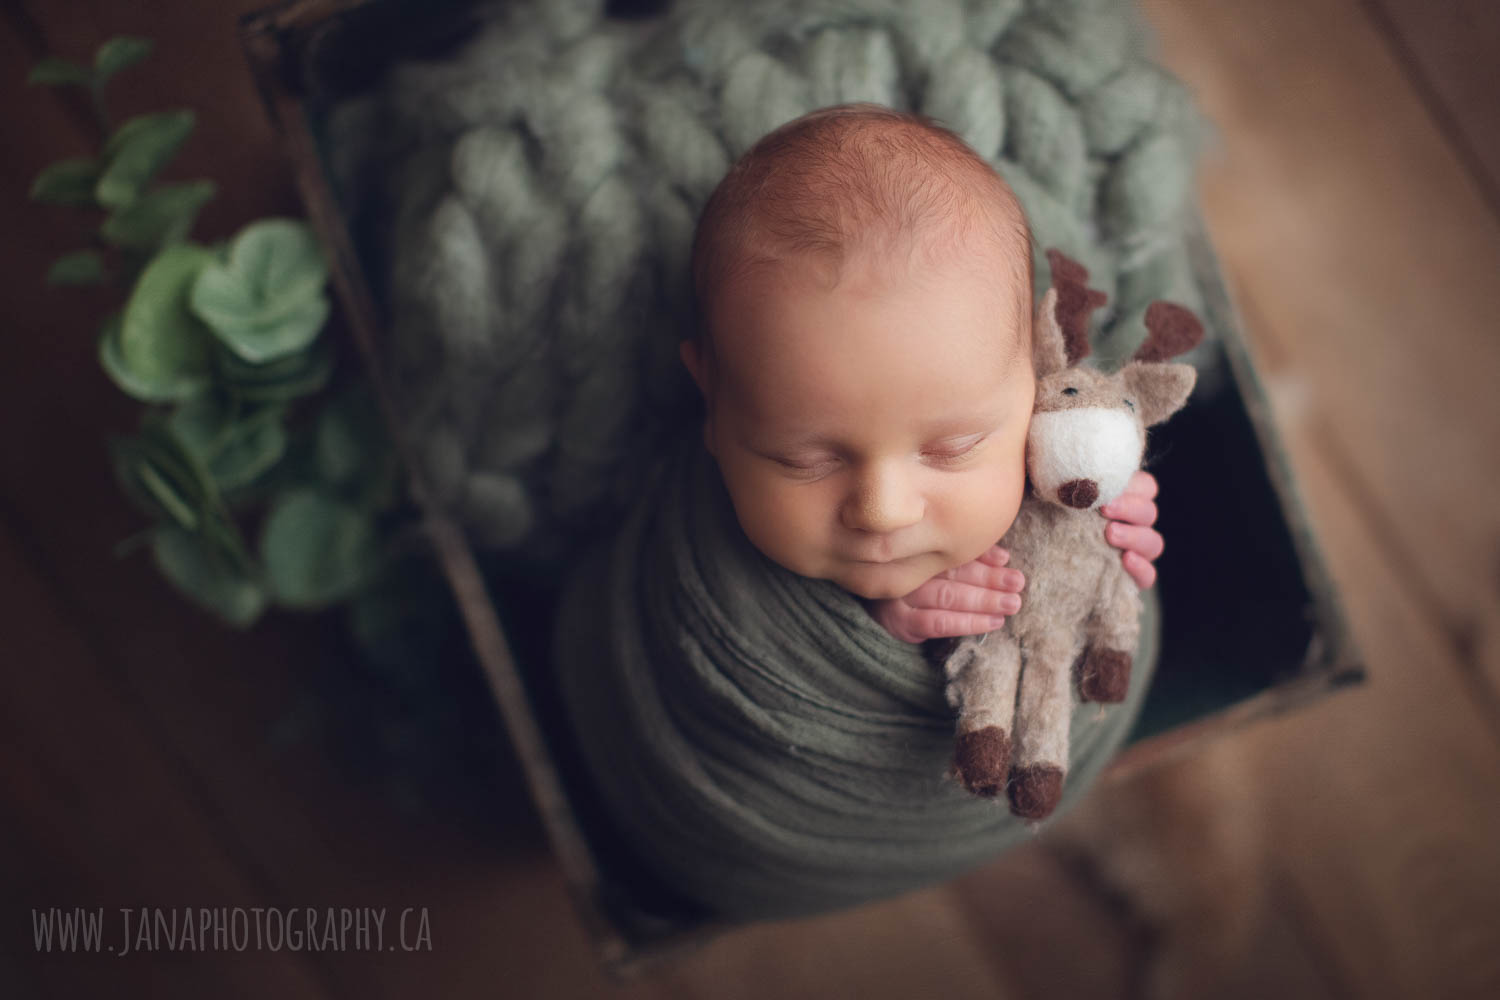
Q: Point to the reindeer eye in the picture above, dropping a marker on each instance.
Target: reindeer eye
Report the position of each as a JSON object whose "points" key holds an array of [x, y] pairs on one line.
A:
{"points": [[1129, 404], [1070, 391]]}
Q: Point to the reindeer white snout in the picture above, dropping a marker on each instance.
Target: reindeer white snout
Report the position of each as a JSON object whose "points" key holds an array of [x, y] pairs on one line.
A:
{"points": [[1083, 458]]}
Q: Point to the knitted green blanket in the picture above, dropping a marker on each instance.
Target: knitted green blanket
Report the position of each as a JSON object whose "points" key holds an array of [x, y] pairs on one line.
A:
{"points": [[533, 195], [763, 745]]}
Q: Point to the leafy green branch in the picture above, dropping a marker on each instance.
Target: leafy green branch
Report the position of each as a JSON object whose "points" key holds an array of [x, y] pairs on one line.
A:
{"points": [[220, 342]]}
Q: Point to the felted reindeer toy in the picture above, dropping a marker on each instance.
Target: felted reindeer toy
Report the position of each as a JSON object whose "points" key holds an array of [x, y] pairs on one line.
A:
{"points": [[1014, 688]]}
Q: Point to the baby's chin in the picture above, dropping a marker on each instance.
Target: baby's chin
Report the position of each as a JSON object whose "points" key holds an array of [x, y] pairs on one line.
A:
{"points": [[879, 582]]}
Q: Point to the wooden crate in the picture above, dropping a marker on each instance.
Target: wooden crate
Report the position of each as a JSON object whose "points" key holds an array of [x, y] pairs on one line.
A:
{"points": [[1242, 562]]}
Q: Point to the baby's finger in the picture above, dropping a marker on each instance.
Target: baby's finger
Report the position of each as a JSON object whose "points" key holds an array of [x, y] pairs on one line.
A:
{"points": [[979, 574], [1131, 507], [951, 595], [1145, 542], [1141, 571], [994, 556], [1142, 483], [947, 624]]}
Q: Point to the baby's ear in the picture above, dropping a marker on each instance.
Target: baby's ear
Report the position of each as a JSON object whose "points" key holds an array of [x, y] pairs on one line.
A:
{"points": [[697, 362], [697, 365], [1160, 390]]}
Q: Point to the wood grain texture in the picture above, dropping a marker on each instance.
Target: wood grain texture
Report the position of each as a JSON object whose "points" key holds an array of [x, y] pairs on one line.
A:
{"points": [[298, 823], [1451, 51], [1363, 256], [1378, 804], [1343, 214], [95, 816], [1049, 935], [920, 944]]}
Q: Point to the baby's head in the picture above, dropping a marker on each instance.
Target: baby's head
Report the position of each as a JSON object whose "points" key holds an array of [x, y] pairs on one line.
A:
{"points": [[863, 281]]}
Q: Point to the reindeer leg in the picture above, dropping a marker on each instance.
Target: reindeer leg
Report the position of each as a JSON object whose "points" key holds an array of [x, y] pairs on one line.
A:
{"points": [[1044, 713], [982, 672], [1113, 632]]}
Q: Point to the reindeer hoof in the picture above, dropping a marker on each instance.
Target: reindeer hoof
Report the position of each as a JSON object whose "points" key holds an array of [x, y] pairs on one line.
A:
{"points": [[1035, 790], [1104, 675], [982, 760]]}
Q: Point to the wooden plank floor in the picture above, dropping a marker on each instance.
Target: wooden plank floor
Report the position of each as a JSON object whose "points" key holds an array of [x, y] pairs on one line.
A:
{"points": [[1347, 851]]}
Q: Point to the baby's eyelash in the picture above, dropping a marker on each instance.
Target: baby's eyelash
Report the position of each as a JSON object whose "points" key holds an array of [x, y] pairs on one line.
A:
{"points": [[805, 468], [956, 454]]}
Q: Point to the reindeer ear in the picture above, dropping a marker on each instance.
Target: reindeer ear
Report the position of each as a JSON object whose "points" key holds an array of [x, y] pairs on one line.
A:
{"points": [[1171, 330], [1158, 390], [1049, 352]]}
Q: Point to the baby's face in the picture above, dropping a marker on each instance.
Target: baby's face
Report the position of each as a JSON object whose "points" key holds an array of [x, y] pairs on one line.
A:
{"points": [[872, 433]]}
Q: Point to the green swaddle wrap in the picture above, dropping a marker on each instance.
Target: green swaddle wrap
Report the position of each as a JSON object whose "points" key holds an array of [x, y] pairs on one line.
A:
{"points": [[761, 743]]}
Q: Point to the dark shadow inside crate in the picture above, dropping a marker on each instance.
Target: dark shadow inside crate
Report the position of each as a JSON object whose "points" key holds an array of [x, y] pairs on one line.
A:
{"points": [[1238, 618]]}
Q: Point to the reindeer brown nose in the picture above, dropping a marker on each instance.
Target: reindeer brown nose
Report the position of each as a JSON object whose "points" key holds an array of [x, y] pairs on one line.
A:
{"points": [[1079, 493]]}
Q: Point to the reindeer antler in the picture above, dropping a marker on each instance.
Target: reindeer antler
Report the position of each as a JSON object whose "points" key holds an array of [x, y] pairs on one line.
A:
{"points": [[1171, 330], [1075, 301]]}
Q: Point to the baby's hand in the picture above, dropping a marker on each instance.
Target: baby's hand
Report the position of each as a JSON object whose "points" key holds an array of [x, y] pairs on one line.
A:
{"points": [[1131, 515], [968, 600]]}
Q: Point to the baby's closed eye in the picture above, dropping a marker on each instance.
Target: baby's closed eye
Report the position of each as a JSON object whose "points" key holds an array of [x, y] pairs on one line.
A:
{"points": [[809, 466], [953, 451]]}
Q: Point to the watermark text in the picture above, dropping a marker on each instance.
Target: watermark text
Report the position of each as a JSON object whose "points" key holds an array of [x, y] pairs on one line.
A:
{"points": [[151, 929]]}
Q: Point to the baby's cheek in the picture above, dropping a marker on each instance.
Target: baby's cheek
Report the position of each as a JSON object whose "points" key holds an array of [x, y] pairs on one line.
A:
{"points": [[985, 507], [774, 519]]}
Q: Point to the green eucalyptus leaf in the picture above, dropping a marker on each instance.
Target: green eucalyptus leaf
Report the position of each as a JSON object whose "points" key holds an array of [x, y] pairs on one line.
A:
{"points": [[266, 300], [161, 344], [351, 438], [259, 342], [160, 218], [235, 444], [81, 267], [137, 150], [162, 478], [316, 549], [117, 54], [275, 381], [202, 575], [67, 182], [148, 389], [171, 484], [54, 72], [114, 366]]}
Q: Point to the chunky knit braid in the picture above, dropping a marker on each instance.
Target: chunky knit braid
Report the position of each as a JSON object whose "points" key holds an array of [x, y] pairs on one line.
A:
{"points": [[535, 198]]}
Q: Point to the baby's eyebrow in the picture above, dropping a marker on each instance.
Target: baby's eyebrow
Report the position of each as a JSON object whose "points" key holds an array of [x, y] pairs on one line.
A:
{"points": [[973, 422], [790, 441]]}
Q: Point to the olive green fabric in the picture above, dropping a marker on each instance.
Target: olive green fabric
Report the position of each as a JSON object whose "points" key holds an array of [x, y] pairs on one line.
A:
{"points": [[763, 745]]}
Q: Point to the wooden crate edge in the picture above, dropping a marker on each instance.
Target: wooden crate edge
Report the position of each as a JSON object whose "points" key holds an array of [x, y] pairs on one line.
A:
{"points": [[264, 35]]}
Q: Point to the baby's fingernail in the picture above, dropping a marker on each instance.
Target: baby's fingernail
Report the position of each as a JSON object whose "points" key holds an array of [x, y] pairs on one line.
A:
{"points": [[1010, 604]]}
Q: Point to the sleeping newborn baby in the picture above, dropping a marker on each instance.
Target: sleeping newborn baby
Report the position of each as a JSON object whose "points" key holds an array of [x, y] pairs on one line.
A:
{"points": [[759, 745], [864, 281]]}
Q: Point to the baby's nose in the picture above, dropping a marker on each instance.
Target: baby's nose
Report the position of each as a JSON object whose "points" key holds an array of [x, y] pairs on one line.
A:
{"points": [[884, 501]]}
